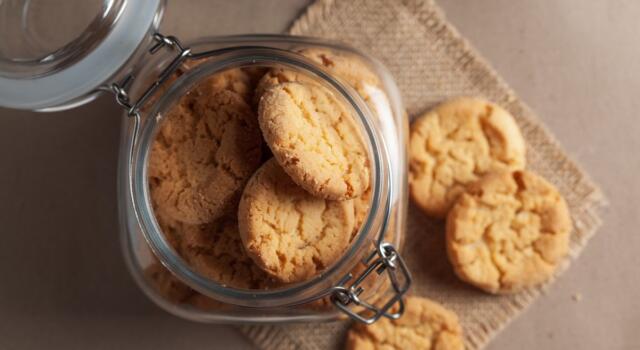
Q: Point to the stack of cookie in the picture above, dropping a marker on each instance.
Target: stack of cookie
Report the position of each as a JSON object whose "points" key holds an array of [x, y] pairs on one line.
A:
{"points": [[507, 228], [296, 214], [206, 149], [260, 177]]}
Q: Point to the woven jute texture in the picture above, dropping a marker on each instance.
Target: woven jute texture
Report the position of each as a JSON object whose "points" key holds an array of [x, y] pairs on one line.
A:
{"points": [[432, 62]]}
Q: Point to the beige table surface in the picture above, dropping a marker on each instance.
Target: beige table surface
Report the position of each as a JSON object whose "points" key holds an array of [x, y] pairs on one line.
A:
{"points": [[577, 63]]}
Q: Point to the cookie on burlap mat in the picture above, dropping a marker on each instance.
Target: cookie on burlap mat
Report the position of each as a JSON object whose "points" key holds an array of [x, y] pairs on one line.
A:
{"points": [[205, 151], [457, 143], [508, 232], [289, 233], [315, 139], [425, 325]]}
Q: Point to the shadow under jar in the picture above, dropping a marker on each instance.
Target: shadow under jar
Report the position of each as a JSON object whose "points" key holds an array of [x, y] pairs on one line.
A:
{"points": [[365, 282]]}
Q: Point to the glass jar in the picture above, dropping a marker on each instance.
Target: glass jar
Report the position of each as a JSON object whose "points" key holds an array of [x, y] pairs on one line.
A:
{"points": [[366, 281]]}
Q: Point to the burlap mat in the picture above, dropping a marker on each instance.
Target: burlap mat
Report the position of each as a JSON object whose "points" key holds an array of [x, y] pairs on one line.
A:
{"points": [[431, 62]]}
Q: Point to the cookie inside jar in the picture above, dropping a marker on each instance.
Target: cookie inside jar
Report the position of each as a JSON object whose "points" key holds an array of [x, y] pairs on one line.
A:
{"points": [[260, 175]]}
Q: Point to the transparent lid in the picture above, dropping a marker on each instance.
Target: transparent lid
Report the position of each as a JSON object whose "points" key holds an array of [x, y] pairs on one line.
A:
{"points": [[55, 53]]}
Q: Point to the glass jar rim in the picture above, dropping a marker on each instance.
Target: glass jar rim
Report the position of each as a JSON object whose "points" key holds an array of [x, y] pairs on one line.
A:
{"points": [[299, 293]]}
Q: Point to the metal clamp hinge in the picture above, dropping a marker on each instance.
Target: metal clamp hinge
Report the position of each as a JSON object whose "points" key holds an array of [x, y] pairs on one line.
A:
{"points": [[120, 89], [384, 259]]}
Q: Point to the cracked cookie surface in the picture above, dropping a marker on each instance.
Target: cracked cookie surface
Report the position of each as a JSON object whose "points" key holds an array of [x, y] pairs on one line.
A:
{"points": [[315, 139], [242, 81], [425, 324], [510, 231], [216, 252], [457, 143], [347, 67], [289, 233], [205, 151], [276, 76]]}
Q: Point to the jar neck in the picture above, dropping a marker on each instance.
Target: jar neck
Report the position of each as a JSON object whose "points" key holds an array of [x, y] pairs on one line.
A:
{"points": [[363, 243]]}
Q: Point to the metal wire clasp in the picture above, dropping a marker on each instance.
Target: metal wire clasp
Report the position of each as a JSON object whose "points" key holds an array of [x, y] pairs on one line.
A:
{"points": [[120, 89], [384, 259]]}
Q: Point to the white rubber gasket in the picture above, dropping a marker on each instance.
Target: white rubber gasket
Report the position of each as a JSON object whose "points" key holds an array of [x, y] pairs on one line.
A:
{"points": [[91, 71]]}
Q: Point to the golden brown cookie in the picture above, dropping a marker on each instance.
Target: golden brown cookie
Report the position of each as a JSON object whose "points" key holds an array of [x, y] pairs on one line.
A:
{"points": [[315, 139], [457, 143], [289, 233], [276, 76], [508, 232], [236, 80], [205, 151], [215, 250], [355, 72], [349, 67], [425, 325], [242, 80]]}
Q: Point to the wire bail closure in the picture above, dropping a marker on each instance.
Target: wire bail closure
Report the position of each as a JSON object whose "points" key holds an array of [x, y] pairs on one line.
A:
{"points": [[346, 297], [384, 259], [120, 90]]}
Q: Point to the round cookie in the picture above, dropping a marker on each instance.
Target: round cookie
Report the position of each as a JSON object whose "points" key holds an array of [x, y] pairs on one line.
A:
{"points": [[347, 67], [425, 324], [457, 143], [241, 80], [205, 151], [276, 76], [289, 233], [216, 252], [350, 68], [355, 72], [315, 139], [236, 80], [510, 231]]}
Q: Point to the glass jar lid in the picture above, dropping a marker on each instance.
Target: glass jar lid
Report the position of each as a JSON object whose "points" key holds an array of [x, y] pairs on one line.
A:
{"points": [[55, 53]]}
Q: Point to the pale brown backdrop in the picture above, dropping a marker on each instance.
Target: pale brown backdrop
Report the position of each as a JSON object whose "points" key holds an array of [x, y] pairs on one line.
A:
{"points": [[576, 63]]}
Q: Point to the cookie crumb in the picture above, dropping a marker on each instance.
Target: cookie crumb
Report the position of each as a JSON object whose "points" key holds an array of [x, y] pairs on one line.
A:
{"points": [[577, 297]]}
